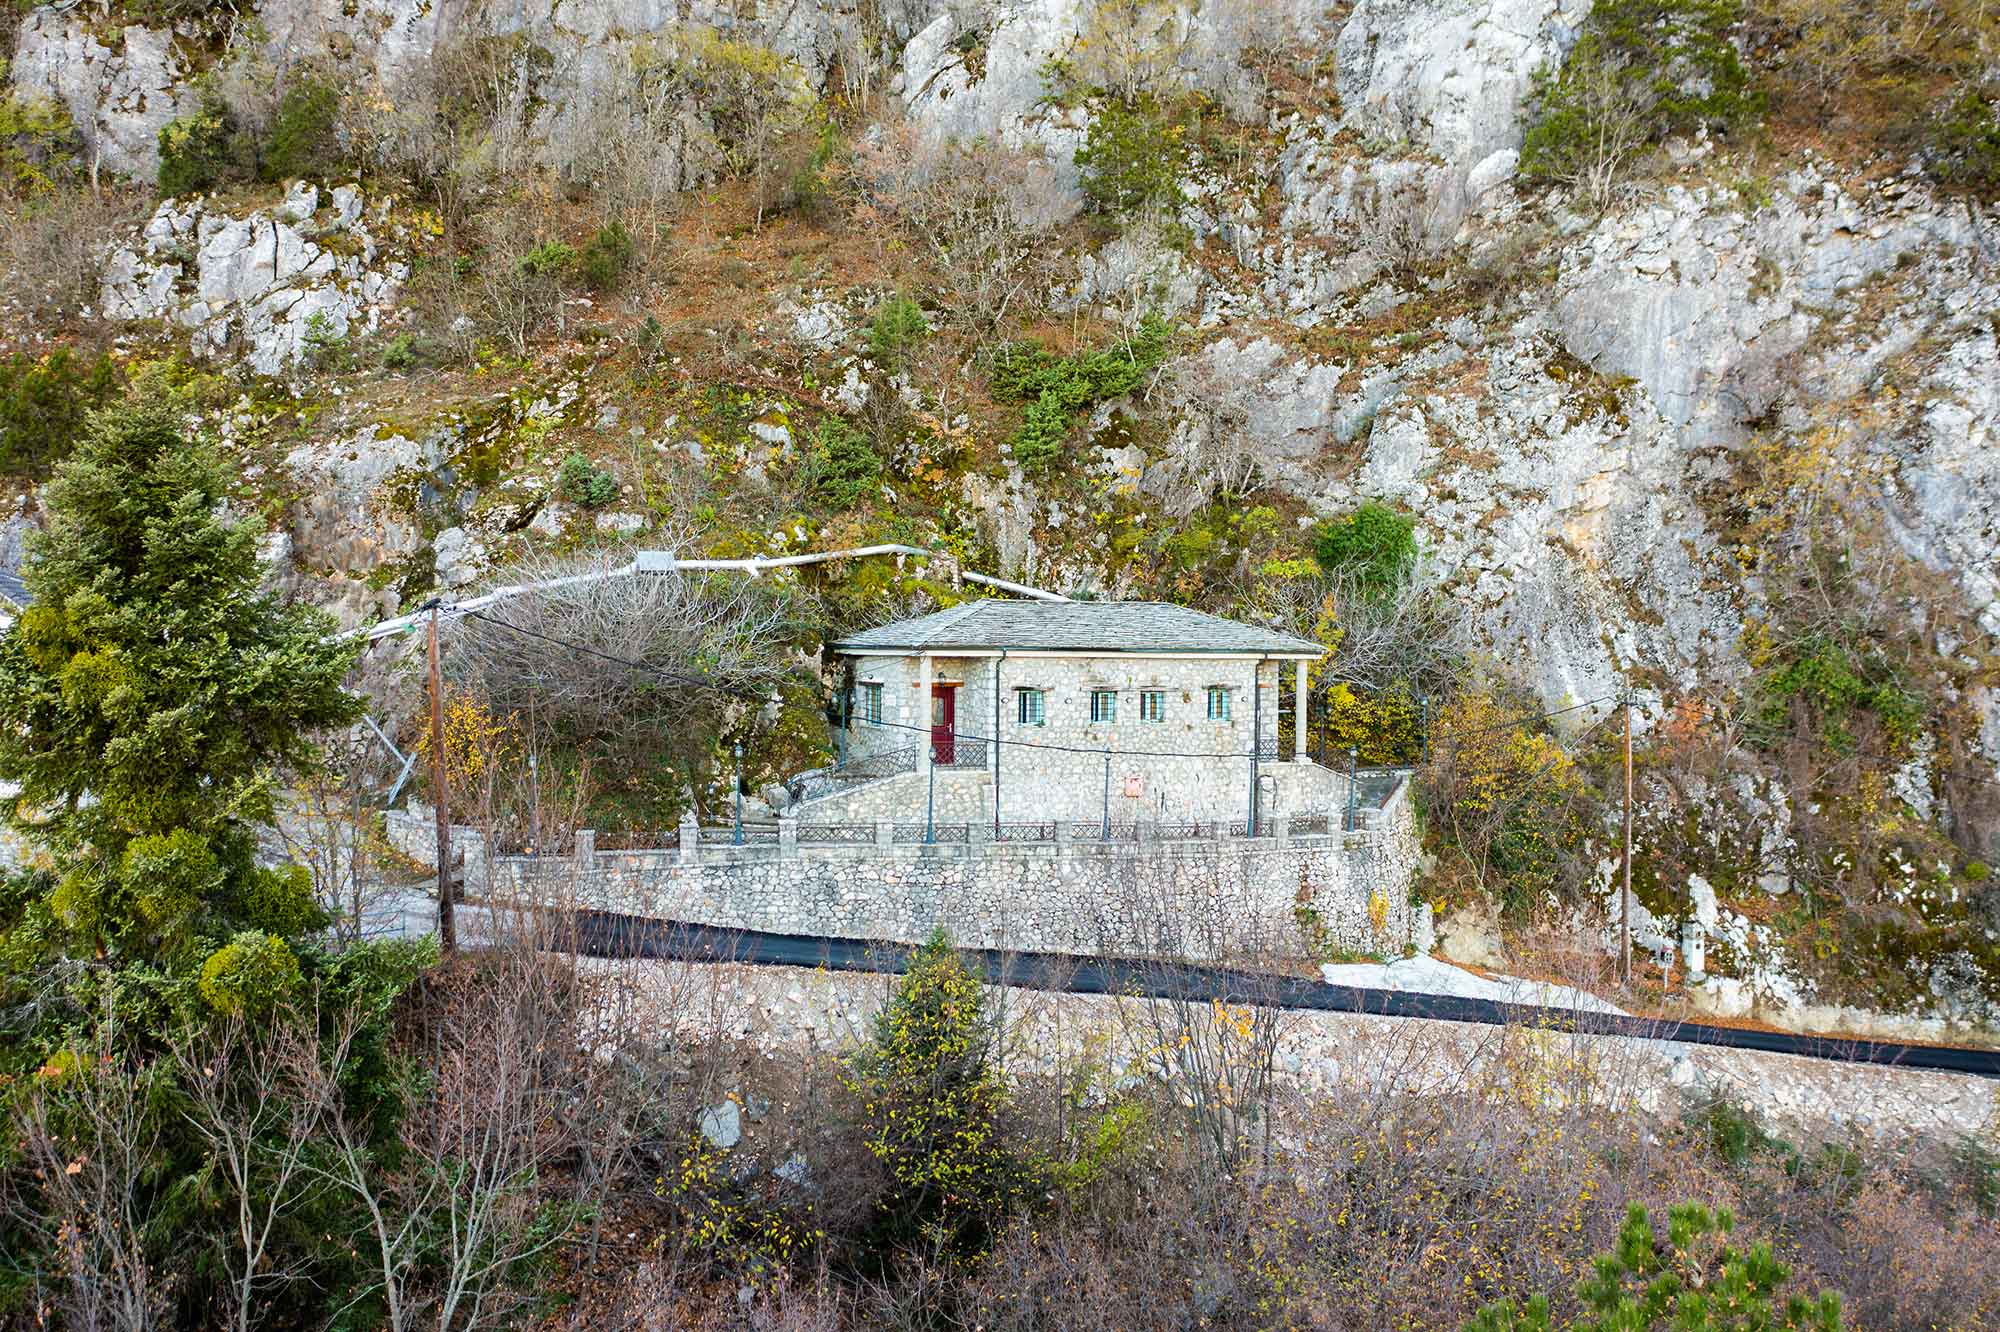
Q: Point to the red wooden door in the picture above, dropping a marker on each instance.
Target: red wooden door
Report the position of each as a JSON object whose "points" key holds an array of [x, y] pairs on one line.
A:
{"points": [[944, 722]]}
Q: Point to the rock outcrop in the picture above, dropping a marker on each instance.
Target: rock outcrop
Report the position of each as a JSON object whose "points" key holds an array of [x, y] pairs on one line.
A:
{"points": [[120, 88], [271, 284]]}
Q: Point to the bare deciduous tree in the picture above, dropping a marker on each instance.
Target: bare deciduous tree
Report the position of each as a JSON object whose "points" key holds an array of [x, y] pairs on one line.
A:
{"points": [[562, 657], [254, 1105], [982, 210], [464, 1202], [94, 1144], [1399, 224], [1413, 633]]}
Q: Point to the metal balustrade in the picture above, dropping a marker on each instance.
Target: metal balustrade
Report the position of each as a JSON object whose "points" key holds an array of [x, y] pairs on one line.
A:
{"points": [[836, 834], [959, 753]]}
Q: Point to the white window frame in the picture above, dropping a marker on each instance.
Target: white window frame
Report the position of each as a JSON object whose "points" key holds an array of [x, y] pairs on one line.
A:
{"points": [[868, 702], [1041, 706], [1218, 703], [1107, 715], [1152, 705]]}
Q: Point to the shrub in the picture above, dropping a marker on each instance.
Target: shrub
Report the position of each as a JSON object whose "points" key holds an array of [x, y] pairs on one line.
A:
{"points": [[1056, 389], [1133, 157], [43, 404], [582, 483], [934, 1103], [1383, 728], [1965, 141], [200, 150], [38, 145], [400, 352], [898, 327], [843, 469], [303, 141], [1374, 543], [1825, 681], [250, 974], [1692, 1281], [606, 257], [549, 260], [1640, 70]]}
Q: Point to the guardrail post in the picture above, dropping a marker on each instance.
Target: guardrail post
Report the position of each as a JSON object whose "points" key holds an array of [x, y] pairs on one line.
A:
{"points": [[690, 838], [1062, 832], [885, 833], [1281, 828], [788, 835], [586, 850]]}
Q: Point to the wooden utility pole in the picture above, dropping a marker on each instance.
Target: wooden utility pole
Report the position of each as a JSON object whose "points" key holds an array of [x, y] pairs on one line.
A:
{"points": [[1625, 892], [441, 794]]}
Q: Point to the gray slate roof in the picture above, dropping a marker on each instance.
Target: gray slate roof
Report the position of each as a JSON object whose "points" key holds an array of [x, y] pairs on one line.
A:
{"points": [[1074, 626]]}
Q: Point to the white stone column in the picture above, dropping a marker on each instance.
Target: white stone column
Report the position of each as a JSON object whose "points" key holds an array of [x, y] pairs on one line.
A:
{"points": [[1299, 711], [924, 715]]}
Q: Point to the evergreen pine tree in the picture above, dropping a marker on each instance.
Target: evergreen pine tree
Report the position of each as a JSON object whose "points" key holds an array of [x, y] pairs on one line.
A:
{"points": [[149, 699]]}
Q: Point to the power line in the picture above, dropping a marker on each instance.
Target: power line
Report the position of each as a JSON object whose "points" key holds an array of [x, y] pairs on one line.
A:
{"points": [[644, 668], [736, 691]]}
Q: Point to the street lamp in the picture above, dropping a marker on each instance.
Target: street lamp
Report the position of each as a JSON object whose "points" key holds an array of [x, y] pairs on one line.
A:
{"points": [[739, 793]]}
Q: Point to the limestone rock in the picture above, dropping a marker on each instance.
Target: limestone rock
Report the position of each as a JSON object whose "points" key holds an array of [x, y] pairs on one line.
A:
{"points": [[722, 1125], [261, 280], [1470, 936], [119, 99], [1449, 76]]}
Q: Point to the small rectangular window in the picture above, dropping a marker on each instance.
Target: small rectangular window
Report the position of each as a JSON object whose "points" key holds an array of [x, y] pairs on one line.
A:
{"points": [[869, 704], [1218, 703], [1031, 706], [1152, 705], [1104, 705]]}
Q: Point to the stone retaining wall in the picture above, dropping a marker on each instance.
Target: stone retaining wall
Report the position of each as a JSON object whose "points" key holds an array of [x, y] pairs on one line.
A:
{"points": [[1297, 896]]}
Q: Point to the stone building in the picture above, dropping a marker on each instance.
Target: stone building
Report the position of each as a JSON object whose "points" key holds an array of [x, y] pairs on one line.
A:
{"points": [[1003, 712]]}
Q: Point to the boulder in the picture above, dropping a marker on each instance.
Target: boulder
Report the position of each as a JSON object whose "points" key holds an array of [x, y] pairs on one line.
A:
{"points": [[722, 1125], [1470, 935]]}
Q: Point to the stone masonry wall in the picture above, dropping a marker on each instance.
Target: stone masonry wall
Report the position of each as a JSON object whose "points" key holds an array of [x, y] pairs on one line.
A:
{"points": [[1207, 790], [1201, 898], [1160, 770]]}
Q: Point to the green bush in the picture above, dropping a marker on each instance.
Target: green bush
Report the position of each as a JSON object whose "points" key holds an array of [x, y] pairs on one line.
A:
{"points": [[843, 470], [1693, 1280], [897, 329], [582, 483], [1375, 543], [1965, 141], [1133, 156], [250, 974], [38, 145], [1834, 685], [44, 403], [606, 257], [400, 352], [551, 259], [1641, 70], [200, 149], [934, 1105], [1057, 389], [303, 140]]}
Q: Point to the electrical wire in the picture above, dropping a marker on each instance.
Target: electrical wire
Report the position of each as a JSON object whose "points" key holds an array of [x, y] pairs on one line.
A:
{"points": [[705, 682], [644, 668]]}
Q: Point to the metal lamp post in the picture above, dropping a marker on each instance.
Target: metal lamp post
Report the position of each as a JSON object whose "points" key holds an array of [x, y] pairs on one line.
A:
{"points": [[739, 793]]}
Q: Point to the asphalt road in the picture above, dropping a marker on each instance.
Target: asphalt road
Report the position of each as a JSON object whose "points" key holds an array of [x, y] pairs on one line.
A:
{"points": [[604, 934]]}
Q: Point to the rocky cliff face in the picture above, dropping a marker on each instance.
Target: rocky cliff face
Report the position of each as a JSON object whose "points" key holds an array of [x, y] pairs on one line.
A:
{"points": [[1375, 308]]}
